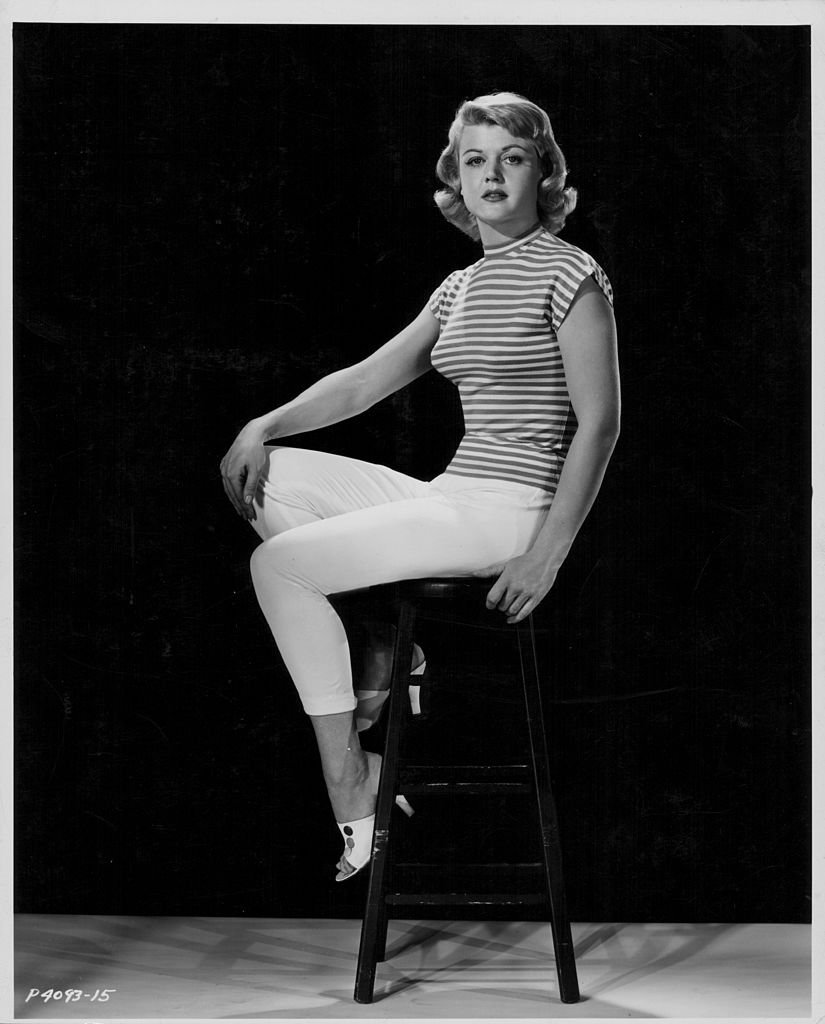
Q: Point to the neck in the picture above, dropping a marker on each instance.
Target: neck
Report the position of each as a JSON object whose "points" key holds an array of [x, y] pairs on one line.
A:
{"points": [[491, 236]]}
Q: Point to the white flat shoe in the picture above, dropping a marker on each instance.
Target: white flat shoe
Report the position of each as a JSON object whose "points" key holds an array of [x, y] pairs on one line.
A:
{"points": [[358, 840]]}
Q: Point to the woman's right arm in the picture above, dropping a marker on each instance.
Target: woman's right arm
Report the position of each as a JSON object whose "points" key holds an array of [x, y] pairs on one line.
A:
{"points": [[336, 397]]}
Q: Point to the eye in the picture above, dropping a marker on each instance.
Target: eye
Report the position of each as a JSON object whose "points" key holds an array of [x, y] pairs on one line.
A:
{"points": [[472, 161], [514, 158]]}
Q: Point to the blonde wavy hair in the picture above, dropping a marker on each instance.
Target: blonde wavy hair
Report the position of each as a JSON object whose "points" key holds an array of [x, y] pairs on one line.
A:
{"points": [[524, 120]]}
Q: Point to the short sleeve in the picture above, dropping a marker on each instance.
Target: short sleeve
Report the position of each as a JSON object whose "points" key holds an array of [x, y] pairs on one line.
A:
{"points": [[434, 303], [441, 299], [567, 280]]}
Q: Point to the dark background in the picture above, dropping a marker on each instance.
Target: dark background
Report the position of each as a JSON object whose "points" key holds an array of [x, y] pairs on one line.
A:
{"points": [[207, 219]]}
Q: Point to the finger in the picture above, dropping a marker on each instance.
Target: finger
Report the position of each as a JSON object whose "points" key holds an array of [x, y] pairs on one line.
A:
{"points": [[228, 488], [523, 612], [518, 602], [494, 594], [249, 489], [236, 482], [233, 501], [233, 492], [497, 591], [513, 604], [511, 599]]}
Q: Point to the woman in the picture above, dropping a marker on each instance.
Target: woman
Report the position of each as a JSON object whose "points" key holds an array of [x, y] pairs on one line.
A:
{"points": [[528, 336]]}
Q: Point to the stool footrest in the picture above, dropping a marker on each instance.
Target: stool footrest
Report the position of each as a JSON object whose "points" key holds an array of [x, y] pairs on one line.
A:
{"points": [[509, 865], [465, 779], [450, 877], [465, 899]]}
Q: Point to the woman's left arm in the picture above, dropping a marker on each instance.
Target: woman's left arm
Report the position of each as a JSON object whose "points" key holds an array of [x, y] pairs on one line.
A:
{"points": [[587, 338]]}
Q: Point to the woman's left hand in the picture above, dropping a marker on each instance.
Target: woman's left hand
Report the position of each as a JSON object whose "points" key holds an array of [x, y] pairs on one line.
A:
{"points": [[522, 585]]}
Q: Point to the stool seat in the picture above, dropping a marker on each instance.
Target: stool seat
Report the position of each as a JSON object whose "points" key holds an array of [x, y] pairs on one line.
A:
{"points": [[384, 894], [435, 587], [443, 586]]}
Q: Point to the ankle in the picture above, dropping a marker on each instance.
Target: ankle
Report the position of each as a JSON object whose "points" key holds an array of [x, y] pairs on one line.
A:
{"points": [[354, 800]]}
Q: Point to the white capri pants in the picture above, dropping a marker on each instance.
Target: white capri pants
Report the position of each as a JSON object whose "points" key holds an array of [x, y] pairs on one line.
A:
{"points": [[331, 524]]}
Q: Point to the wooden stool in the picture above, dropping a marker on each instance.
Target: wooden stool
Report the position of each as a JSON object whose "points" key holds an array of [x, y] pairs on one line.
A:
{"points": [[408, 597]]}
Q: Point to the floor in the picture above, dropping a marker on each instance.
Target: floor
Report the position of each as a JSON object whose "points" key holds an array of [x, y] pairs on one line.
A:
{"points": [[287, 969]]}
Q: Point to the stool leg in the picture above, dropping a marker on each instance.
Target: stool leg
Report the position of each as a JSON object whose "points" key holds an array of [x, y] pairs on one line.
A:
{"points": [[551, 845], [381, 947], [374, 927]]}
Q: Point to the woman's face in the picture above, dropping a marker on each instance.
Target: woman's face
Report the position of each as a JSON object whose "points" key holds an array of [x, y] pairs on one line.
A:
{"points": [[500, 175]]}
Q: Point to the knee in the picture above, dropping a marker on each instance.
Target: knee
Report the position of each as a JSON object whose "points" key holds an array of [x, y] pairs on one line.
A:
{"points": [[283, 563], [280, 558], [266, 561]]}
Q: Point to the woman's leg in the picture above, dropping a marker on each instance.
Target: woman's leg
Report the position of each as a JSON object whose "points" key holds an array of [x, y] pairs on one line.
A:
{"points": [[294, 572], [301, 486]]}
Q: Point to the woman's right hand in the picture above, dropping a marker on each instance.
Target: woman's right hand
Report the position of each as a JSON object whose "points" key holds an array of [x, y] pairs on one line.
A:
{"points": [[241, 467]]}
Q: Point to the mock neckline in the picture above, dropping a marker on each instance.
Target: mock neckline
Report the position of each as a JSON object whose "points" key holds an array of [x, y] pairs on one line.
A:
{"points": [[515, 243]]}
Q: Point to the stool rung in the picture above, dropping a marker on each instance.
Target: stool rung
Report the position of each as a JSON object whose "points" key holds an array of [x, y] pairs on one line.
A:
{"points": [[464, 788], [507, 865], [465, 779], [449, 877], [465, 899]]}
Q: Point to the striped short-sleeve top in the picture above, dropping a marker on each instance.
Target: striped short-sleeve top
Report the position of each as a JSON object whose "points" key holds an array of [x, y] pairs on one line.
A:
{"points": [[498, 343]]}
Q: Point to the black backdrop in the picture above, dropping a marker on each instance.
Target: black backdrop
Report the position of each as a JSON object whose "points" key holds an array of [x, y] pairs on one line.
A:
{"points": [[207, 219]]}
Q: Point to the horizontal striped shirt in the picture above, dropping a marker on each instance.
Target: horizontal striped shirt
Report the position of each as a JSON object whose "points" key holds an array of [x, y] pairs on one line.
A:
{"points": [[498, 343]]}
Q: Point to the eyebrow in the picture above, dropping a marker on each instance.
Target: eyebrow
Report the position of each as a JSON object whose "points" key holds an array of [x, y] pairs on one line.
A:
{"points": [[512, 145]]}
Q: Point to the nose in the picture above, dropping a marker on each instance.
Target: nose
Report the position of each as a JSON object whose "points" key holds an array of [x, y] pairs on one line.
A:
{"points": [[493, 171]]}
